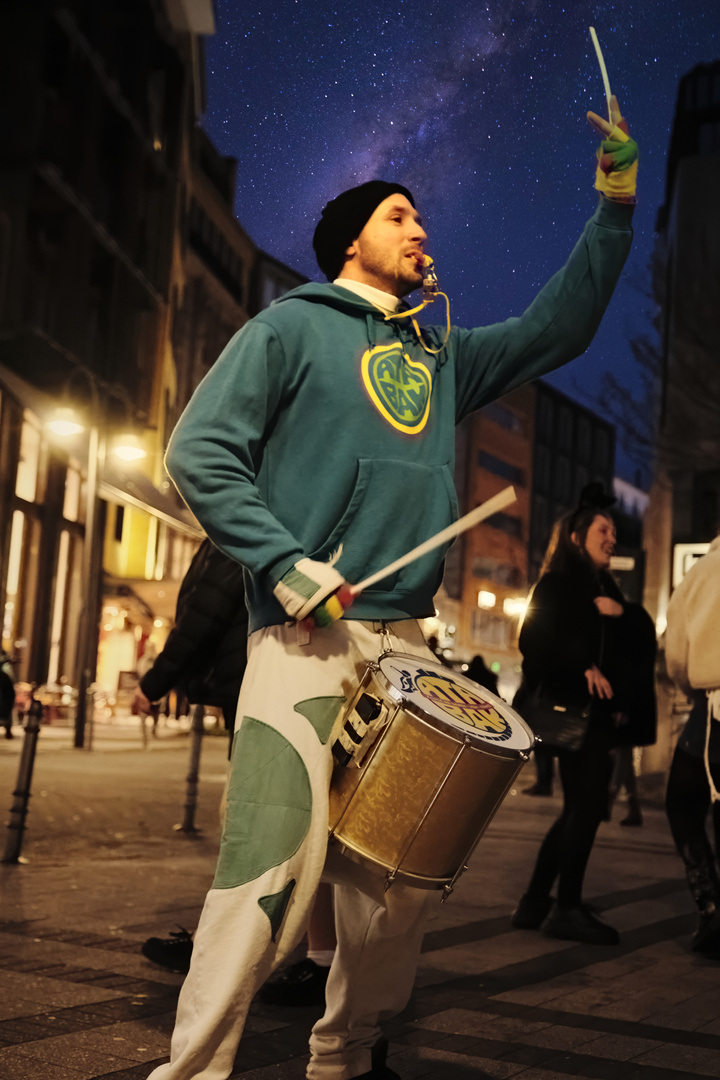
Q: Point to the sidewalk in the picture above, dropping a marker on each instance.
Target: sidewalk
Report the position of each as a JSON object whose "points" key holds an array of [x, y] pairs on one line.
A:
{"points": [[106, 870]]}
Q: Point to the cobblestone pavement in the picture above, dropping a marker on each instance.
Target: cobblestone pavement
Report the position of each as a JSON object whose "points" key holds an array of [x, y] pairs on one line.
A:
{"points": [[106, 869]]}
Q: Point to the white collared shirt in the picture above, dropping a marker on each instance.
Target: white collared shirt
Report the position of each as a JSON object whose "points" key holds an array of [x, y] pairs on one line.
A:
{"points": [[385, 301]]}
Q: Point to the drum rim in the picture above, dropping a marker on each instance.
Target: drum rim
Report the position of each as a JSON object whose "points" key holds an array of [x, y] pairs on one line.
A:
{"points": [[471, 735]]}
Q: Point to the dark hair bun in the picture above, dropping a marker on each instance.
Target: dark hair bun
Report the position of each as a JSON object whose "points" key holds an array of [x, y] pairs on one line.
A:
{"points": [[592, 497]]}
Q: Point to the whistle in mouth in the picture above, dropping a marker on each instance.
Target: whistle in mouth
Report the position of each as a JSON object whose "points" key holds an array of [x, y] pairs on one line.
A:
{"points": [[430, 285]]}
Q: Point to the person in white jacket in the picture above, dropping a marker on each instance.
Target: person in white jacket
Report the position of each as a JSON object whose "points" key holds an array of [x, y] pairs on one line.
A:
{"points": [[692, 653]]}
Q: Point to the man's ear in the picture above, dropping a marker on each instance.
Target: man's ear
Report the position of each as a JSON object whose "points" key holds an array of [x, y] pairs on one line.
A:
{"points": [[350, 250], [575, 537]]}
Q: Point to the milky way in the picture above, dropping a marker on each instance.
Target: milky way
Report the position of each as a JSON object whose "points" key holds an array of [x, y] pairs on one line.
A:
{"points": [[479, 108]]}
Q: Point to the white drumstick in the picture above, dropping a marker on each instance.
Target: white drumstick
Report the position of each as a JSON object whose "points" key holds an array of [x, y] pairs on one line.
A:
{"points": [[486, 509], [603, 70]]}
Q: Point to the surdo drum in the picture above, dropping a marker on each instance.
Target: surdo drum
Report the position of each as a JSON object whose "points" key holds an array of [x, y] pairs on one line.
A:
{"points": [[424, 757]]}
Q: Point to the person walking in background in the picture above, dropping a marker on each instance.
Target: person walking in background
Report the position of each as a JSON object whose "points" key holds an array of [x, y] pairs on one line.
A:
{"points": [[205, 652], [480, 673], [692, 655], [7, 693], [583, 646]]}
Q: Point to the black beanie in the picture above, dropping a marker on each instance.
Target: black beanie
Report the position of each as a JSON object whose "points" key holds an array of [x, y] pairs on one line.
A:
{"points": [[344, 218]]}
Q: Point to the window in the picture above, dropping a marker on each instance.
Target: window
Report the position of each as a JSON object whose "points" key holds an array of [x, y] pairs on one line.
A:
{"points": [[507, 524], [498, 467], [26, 481], [505, 418], [119, 523], [565, 429], [71, 501], [541, 520], [543, 470], [709, 138], [490, 629], [582, 478], [545, 419], [601, 459], [561, 486]]}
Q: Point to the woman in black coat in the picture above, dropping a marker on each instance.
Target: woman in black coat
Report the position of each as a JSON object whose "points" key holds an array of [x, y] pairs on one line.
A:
{"points": [[582, 644]]}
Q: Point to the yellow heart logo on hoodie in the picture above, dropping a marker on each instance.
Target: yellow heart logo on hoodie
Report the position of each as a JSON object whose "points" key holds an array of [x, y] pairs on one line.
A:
{"points": [[398, 386]]}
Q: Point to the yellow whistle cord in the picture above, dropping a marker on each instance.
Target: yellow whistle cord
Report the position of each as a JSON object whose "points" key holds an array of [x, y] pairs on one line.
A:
{"points": [[414, 311]]}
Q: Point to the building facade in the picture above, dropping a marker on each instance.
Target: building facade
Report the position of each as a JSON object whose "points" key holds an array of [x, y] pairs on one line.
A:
{"points": [[123, 274], [684, 510], [547, 447]]}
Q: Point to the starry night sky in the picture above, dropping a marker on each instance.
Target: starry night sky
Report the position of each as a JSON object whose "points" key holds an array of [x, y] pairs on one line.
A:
{"points": [[479, 108]]}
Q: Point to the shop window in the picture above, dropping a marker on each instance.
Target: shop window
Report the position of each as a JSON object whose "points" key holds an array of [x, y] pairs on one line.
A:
{"points": [[119, 523], [71, 501], [20, 587], [56, 624], [26, 481]]}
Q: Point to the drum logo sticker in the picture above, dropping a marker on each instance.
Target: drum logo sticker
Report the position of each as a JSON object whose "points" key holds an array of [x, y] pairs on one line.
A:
{"points": [[398, 386], [459, 702]]}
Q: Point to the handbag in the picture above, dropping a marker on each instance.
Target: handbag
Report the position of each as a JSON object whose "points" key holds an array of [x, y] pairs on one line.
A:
{"points": [[559, 727]]}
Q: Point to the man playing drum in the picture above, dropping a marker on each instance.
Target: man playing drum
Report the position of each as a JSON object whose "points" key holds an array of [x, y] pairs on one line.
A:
{"points": [[318, 449]]}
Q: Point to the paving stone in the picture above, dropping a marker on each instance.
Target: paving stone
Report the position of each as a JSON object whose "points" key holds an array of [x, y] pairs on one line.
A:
{"points": [[79, 1051], [464, 1067], [135, 1072], [619, 1047], [560, 1037], [15, 1065], [467, 1022], [701, 1061]]}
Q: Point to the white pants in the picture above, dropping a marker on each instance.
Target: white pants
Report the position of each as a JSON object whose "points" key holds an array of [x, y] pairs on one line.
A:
{"points": [[272, 857]]}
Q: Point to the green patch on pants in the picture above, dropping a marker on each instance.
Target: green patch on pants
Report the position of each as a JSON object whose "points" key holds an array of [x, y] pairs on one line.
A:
{"points": [[321, 713], [275, 906], [269, 805]]}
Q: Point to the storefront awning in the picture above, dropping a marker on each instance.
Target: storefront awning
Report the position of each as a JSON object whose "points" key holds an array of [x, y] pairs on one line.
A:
{"points": [[134, 489]]}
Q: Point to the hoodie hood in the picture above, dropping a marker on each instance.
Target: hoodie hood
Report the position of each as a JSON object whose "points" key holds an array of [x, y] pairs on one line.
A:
{"points": [[350, 303]]}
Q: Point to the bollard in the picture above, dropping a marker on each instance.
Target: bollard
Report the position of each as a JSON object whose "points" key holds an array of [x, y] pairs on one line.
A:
{"points": [[197, 730], [21, 794], [89, 716]]}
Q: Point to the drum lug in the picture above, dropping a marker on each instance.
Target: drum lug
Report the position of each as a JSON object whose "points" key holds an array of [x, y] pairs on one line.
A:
{"points": [[524, 756], [389, 879]]}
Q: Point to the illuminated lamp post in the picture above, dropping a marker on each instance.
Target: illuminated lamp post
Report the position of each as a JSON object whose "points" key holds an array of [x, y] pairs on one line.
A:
{"points": [[65, 422]]}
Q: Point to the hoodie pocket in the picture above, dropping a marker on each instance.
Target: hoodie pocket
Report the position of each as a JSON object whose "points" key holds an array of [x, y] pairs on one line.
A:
{"points": [[395, 505]]}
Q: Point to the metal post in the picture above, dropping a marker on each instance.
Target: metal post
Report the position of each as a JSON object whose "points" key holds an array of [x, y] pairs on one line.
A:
{"points": [[21, 794], [197, 730], [90, 582]]}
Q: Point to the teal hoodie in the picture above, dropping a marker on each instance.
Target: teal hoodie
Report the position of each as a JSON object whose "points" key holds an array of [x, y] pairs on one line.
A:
{"points": [[326, 430]]}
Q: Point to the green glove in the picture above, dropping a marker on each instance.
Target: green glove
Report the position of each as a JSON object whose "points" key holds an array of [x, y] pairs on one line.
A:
{"points": [[616, 174], [306, 585]]}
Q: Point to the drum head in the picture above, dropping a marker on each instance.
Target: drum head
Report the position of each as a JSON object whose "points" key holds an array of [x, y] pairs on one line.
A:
{"points": [[445, 698]]}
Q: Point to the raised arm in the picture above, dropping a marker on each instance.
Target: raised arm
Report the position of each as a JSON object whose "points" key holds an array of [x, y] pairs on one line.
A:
{"points": [[563, 318]]}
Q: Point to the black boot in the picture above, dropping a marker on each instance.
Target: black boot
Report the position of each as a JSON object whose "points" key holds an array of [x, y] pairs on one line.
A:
{"points": [[703, 882]]}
